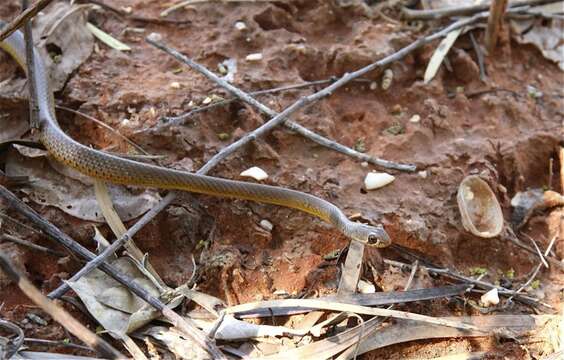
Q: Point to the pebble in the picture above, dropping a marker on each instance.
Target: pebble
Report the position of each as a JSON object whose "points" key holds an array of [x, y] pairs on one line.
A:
{"points": [[254, 57], [364, 287], [266, 225], [490, 298], [374, 180], [423, 174], [175, 85], [239, 25], [256, 173], [415, 119]]}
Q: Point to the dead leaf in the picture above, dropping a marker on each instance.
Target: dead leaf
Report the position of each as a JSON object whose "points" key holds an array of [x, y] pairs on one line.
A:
{"points": [[63, 40]]}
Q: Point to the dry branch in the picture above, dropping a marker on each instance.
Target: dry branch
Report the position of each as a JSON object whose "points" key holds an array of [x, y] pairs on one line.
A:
{"points": [[497, 9], [26, 15]]}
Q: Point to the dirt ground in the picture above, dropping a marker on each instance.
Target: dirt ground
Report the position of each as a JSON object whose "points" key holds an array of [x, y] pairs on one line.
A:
{"points": [[504, 134]]}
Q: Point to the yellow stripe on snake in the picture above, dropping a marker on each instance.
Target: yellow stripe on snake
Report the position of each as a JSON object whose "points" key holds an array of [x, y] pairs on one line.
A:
{"points": [[115, 169]]}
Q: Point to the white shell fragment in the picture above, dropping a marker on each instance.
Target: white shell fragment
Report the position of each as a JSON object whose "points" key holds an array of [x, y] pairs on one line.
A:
{"points": [[256, 173], [374, 180], [266, 225], [254, 57], [490, 298], [480, 211], [364, 287], [239, 25], [175, 85], [415, 119]]}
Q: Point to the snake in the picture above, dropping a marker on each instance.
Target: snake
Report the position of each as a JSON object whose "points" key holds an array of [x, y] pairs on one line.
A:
{"points": [[115, 169]]}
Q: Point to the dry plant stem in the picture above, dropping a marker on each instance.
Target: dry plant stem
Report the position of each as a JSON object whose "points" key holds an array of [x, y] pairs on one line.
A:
{"points": [[194, 333], [539, 252], [478, 283], [185, 3], [561, 158], [497, 9], [279, 118], [463, 10], [129, 16], [56, 343], [16, 23], [29, 244], [479, 56], [105, 126], [58, 313], [179, 120], [535, 272]]}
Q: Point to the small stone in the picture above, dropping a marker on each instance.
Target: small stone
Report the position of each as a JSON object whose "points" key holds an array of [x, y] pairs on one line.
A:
{"points": [[364, 164], [423, 174], [254, 57], [364, 287], [490, 298], [256, 173], [373, 85], [415, 119], [155, 36], [239, 25], [222, 69], [387, 79], [223, 136], [374, 180], [175, 85], [266, 225], [207, 100]]}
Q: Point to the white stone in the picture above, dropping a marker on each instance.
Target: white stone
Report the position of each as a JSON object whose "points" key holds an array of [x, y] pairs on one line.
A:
{"points": [[266, 225], [175, 85], [415, 119], [374, 180], [239, 25], [490, 298], [364, 287], [254, 57], [255, 173]]}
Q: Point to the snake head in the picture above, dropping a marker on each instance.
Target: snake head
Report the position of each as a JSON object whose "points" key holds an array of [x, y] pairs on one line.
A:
{"points": [[374, 236]]}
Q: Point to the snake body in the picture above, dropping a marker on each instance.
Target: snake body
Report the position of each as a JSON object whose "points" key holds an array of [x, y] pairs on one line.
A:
{"points": [[118, 170]]}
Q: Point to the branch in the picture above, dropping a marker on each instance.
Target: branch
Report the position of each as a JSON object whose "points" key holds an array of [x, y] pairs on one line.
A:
{"points": [[30, 65], [22, 18], [463, 10], [281, 118]]}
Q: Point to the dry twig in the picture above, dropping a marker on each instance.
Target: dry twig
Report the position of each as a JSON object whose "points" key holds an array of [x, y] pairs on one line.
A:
{"points": [[29, 244], [497, 9], [16, 23]]}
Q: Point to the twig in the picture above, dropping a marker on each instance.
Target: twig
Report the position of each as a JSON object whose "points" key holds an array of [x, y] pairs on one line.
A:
{"points": [[561, 158], [535, 272], [185, 325], [30, 64], [463, 10], [479, 56], [129, 16], [350, 272], [56, 343], [29, 244], [278, 118], [514, 239], [178, 120], [478, 283], [105, 126], [17, 342], [58, 313], [17, 22], [497, 9], [185, 3], [539, 252]]}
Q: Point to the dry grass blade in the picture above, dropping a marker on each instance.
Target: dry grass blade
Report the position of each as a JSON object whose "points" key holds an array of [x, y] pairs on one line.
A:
{"points": [[337, 306]]}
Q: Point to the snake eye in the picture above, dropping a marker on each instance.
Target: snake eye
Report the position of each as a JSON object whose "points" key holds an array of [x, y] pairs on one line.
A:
{"points": [[372, 239]]}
